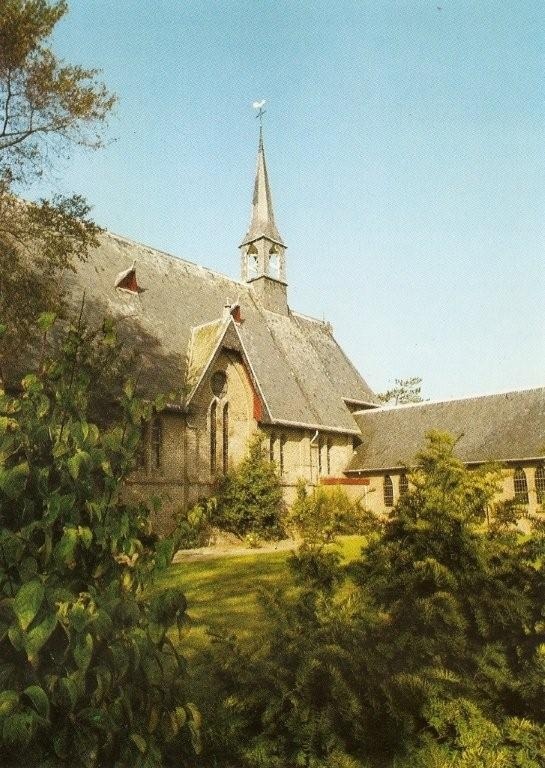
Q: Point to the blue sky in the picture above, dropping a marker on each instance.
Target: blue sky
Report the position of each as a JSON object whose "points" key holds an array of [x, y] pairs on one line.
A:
{"points": [[405, 146]]}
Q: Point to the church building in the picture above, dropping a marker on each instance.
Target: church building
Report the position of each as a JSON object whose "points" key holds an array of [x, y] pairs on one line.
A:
{"points": [[239, 359]]}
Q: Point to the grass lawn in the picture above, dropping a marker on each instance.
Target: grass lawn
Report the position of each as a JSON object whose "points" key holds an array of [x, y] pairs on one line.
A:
{"points": [[223, 593]]}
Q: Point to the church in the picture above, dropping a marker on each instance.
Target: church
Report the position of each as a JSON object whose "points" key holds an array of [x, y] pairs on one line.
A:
{"points": [[240, 359]]}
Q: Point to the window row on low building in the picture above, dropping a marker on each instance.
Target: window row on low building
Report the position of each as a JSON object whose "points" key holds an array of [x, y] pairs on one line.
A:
{"points": [[520, 486]]}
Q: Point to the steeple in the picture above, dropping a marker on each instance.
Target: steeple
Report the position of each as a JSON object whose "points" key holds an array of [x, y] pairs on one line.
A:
{"points": [[262, 223], [263, 262]]}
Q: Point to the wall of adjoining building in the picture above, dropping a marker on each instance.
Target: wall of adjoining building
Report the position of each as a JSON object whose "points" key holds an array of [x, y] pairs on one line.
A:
{"points": [[374, 498]]}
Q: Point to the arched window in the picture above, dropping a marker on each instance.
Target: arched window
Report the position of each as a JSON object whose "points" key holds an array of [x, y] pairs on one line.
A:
{"points": [[213, 436], [253, 263], [225, 438], [540, 485], [282, 452], [388, 492], [328, 457], [274, 262], [320, 447], [157, 442], [142, 453], [521, 486], [403, 484], [272, 441]]}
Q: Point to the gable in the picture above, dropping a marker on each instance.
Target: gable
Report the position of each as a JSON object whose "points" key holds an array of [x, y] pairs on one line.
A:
{"points": [[301, 373]]}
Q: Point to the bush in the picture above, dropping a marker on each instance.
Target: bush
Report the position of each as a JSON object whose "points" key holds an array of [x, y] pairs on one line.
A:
{"points": [[249, 499], [428, 650], [88, 674], [322, 515], [194, 526]]}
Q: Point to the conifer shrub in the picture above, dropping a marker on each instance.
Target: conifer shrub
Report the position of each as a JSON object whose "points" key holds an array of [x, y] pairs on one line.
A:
{"points": [[249, 498], [428, 650], [89, 675]]}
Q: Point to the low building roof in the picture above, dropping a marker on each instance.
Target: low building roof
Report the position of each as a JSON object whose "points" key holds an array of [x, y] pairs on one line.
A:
{"points": [[302, 373], [502, 427]]}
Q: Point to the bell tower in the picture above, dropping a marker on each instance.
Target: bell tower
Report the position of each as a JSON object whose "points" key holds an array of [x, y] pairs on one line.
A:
{"points": [[263, 253]]}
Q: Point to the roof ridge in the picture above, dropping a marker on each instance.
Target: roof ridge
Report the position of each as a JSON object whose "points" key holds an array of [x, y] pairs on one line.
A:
{"points": [[423, 403], [174, 258]]}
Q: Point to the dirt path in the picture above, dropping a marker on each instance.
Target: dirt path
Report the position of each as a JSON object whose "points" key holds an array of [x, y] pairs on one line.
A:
{"points": [[232, 550]]}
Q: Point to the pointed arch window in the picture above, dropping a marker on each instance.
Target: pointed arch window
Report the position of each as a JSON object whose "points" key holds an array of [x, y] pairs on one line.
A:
{"points": [[403, 484], [225, 435], [388, 489], [157, 442], [142, 460], [328, 457], [274, 261], [521, 486], [213, 436], [320, 448], [252, 261], [540, 484], [272, 441], [282, 453]]}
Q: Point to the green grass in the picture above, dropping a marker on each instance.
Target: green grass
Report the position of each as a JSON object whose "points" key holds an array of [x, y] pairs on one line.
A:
{"points": [[223, 593]]}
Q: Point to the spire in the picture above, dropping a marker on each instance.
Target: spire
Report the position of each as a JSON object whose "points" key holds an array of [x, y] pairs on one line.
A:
{"points": [[262, 223]]}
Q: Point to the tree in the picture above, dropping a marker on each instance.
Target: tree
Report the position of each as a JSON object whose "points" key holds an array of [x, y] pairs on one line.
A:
{"points": [[404, 391], [89, 675], [249, 498], [46, 108], [428, 650]]}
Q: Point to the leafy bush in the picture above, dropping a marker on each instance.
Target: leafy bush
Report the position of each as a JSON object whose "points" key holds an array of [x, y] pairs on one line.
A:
{"points": [[194, 525], [88, 673], [429, 650], [249, 498], [325, 513]]}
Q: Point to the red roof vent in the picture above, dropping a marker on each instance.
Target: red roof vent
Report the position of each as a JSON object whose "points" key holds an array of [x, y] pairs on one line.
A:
{"points": [[126, 281], [236, 313]]}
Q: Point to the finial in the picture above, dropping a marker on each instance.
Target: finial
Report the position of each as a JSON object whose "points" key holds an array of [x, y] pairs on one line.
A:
{"points": [[260, 112]]}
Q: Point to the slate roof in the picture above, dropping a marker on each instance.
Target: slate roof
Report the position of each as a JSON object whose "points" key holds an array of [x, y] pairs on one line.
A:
{"points": [[175, 320], [501, 427]]}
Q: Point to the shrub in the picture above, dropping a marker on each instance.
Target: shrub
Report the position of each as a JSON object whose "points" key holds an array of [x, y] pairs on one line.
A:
{"points": [[249, 498], [88, 674], [194, 525]]}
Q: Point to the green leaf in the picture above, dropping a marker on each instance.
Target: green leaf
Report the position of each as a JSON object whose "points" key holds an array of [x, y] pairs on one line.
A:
{"points": [[18, 729], [13, 481], [8, 701], [27, 602], [86, 536], [139, 741], [16, 637], [46, 320], [83, 651], [66, 692], [76, 462], [181, 716], [39, 699], [66, 547], [39, 635]]}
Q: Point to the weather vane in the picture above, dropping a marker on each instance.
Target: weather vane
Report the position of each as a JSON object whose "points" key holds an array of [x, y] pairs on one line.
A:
{"points": [[260, 111]]}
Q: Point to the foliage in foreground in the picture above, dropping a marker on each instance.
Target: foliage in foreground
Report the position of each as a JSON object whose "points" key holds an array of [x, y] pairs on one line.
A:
{"points": [[428, 651], [249, 499], [48, 106], [88, 674]]}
